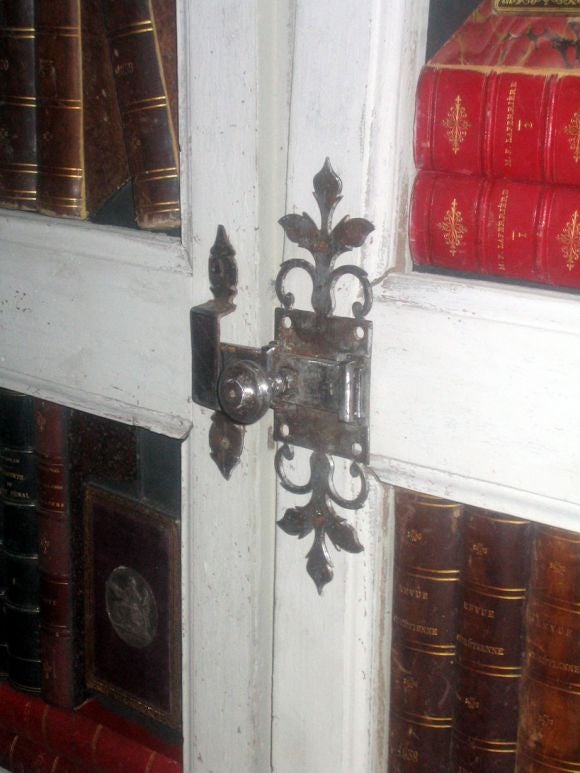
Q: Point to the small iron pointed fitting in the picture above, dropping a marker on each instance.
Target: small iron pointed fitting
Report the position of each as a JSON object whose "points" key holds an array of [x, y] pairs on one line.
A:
{"points": [[315, 374]]}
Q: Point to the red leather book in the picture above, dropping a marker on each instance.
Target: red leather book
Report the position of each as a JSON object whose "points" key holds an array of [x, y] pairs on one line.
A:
{"points": [[426, 582], [502, 98], [549, 722], [20, 755], [496, 227], [490, 635], [92, 745], [18, 166], [81, 153], [143, 42]]}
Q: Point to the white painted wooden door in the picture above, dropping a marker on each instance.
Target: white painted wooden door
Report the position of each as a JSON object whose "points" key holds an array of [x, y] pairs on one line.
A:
{"points": [[474, 394]]}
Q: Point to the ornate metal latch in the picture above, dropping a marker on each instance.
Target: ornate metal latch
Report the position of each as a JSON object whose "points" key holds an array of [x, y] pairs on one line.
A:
{"points": [[315, 374]]}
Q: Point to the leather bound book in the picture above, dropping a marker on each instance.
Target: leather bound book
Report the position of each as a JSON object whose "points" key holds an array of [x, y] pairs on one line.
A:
{"points": [[20, 755], [81, 153], [496, 228], [59, 650], [71, 447], [549, 724], [426, 582], [490, 640], [104, 744], [502, 98], [21, 609], [143, 48], [18, 162]]}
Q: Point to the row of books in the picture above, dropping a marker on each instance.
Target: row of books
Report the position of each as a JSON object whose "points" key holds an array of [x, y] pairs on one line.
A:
{"points": [[486, 631], [497, 146], [89, 545], [88, 98]]}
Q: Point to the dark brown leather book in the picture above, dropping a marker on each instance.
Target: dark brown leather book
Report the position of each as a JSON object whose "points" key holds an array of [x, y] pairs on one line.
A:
{"points": [[426, 582], [71, 447], [549, 723], [18, 162], [81, 153], [142, 34], [21, 606], [490, 643], [132, 611]]}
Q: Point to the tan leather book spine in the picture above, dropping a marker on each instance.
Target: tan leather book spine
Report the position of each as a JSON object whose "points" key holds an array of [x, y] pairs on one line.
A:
{"points": [[549, 723], [18, 163], [490, 640], [81, 153], [426, 582], [142, 36]]}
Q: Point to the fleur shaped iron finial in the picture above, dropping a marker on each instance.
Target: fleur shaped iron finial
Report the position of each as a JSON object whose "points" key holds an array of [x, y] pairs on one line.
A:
{"points": [[325, 245]]}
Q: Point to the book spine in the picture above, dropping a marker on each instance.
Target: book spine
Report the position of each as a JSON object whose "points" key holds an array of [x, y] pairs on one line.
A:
{"points": [[18, 162], [490, 640], [59, 659], [20, 755], [517, 125], [88, 744], [21, 607], [548, 735], [496, 228], [426, 581], [80, 152], [142, 37]]}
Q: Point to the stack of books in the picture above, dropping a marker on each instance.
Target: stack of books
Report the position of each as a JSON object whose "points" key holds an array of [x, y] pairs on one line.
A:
{"points": [[88, 98], [485, 659], [89, 593], [497, 146]]}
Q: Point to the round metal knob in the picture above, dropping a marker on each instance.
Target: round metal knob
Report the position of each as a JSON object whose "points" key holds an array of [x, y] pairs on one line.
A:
{"points": [[245, 391]]}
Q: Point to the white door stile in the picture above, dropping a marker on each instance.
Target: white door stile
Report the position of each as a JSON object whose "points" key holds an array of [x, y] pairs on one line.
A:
{"points": [[235, 79], [355, 69]]}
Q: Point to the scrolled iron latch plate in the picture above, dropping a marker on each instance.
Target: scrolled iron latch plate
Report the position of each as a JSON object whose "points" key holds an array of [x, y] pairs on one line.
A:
{"points": [[315, 375]]}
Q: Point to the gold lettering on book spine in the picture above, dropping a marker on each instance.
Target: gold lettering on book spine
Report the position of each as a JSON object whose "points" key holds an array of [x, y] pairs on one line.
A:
{"points": [[456, 124], [573, 132], [570, 241], [453, 228]]}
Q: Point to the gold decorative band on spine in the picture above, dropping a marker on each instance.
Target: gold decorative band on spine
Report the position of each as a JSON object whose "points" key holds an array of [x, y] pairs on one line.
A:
{"points": [[495, 672], [564, 766], [18, 101], [435, 650], [571, 688], [61, 104], [152, 103], [134, 29], [17, 35], [436, 723], [433, 575], [486, 69], [17, 167]]}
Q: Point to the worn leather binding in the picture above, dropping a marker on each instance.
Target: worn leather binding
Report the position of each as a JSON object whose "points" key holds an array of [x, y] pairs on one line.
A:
{"points": [[18, 162], [21, 755], [143, 48], [496, 227], [502, 98], [88, 739], [426, 583], [549, 726], [71, 447], [490, 640], [81, 154], [21, 607]]}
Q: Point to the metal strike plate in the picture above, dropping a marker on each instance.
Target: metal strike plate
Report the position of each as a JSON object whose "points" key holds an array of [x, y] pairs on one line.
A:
{"points": [[315, 374]]}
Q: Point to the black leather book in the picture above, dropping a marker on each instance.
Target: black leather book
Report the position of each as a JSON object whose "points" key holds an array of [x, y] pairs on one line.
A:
{"points": [[21, 614]]}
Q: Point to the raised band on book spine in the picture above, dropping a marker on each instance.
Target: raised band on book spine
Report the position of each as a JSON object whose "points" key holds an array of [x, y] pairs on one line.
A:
{"points": [[426, 581]]}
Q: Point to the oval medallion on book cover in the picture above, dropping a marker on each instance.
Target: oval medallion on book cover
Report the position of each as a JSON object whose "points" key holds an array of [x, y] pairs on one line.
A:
{"points": [[131, 607]]}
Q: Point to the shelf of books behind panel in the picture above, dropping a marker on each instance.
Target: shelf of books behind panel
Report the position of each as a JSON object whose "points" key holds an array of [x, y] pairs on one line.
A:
{"points": [[50, 454], [88, 112], [497, 149]]}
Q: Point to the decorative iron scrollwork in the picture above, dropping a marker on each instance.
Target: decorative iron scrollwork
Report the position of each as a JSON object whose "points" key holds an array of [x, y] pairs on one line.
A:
{"points": [[315, 374]]}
